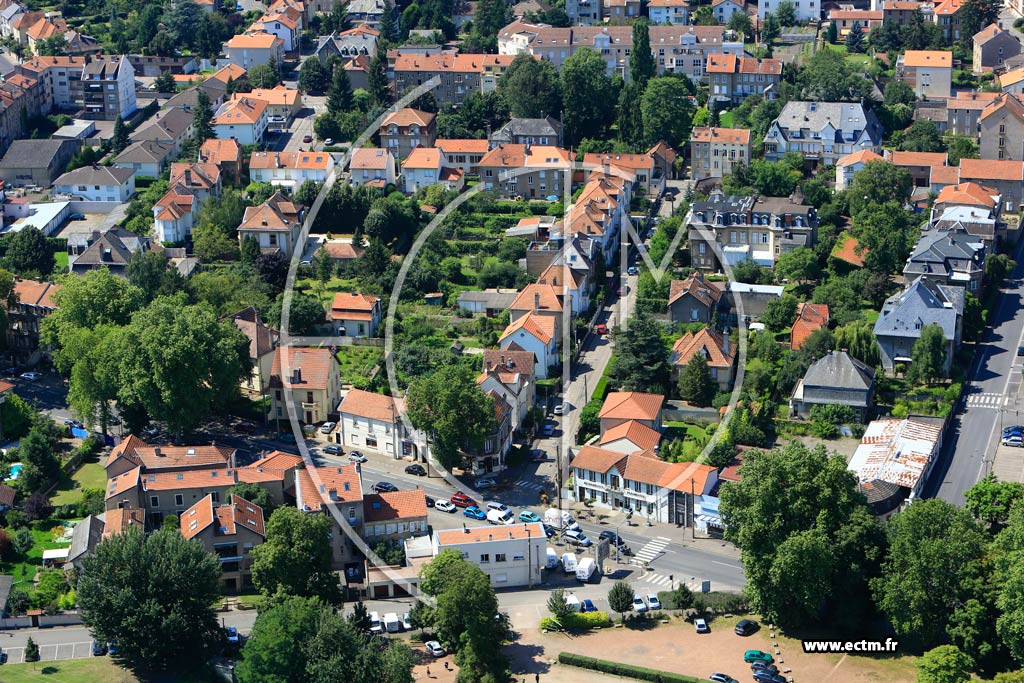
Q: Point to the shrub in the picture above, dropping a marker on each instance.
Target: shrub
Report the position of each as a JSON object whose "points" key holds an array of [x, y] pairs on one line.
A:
{"points": [[64, 512], [16, 519], [577, 621], [23, 540], [6, 545], [31, 651], [627, 670], [38, 506]]}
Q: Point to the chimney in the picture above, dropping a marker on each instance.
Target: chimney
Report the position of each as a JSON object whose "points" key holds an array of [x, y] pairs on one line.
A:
{"points": [[296, 375], [157, 453], [536, 301], [725, 344]]}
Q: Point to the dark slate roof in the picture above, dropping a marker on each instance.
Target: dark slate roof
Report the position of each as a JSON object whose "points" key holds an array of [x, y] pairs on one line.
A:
{"points": [[936, 251], [549, 126], [96, 175], [166, 125], [144, 152], [33, 153], [189, 98], [905, 314], [849, 119], [85, 537], [120, 244], [840, 370]]}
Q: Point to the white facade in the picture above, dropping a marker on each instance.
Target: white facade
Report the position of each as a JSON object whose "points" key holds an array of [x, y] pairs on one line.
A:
{"points": [[293, 177], [511, 556], [546, 354], [723, 11], [104, 192], [806, 10], [247, 133], [415, 178], [675, 14]]}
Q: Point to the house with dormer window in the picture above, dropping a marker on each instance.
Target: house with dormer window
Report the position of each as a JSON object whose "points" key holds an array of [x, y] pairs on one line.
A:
{"points": [[823, 132], [406, 129], [905, 315]]}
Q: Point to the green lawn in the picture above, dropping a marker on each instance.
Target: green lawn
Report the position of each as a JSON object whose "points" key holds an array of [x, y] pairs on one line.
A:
{"points": [[356, 362], [26, 567], [725, 119], [61, 258], [324, 291], [91, 670], [90, 475]]}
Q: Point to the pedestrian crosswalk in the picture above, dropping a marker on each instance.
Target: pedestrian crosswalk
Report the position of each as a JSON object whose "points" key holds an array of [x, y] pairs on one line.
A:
{"points": [[528, 485], [657, 579], [652, 549], [987, 400]]}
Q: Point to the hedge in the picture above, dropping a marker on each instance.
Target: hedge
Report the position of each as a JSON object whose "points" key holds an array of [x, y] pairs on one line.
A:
{"points": [[627, 670], [577, 621]]}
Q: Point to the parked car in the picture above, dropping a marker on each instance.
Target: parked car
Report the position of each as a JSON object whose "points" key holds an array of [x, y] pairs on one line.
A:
{"points": [[416, 469], [327, 427], [434, 648], [701, 626], [462, 500], [722, 678], [356, 456], [549, 530], [1015, 440], [761, 666], [529, 516], [31, 376], [332, 449], [757, 656], [474, 512], [744, 627], [445, 506], [612, 537], [632, 270], [384, 487], [765, 677], [76, 217], [98, 649], [588, 606], [286, 438], [578, 538], [638, 604], [307, 138], [232, 634], [601, 328], [430, 501], [559, 409], [485, 483], [652, 601], [548, 429], [328, 142], [538, 455], [376, 625], [406, 622]]}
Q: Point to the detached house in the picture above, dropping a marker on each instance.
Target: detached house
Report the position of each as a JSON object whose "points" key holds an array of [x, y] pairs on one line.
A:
{"points": [[928, 72], [356, 315], [534, 334], [263, 342], [905, 315], [949, 258], [716, 349], [147, 158], [514, 371], [525, 170], [372, 166], [835, 379], [693, 300], [809, 318], [993, 45], [406, 129], [97, 184], [823, 131], [290, 169], [254, 49], [623, 406], [244, 119], [308, 378], [275, 224], [171, 127], [371, 422], [543, 300]]}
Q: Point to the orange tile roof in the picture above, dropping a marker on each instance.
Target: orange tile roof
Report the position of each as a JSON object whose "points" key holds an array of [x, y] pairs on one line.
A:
{"points": [[122, 519], [231, 71], [696, 286], [916, 158], [238, 513], [36, 293], [461, 146], [458, 63], [197, 518], [423, 157], [969, 194], [1005, 101], [948, 7], [516, 156], [687, 477], [187, 479], [632, 405], [277, 460], [279, 96], [280, 17], [162, 457], [353, 306], [255, 475], [244, 110], [736, 136], [945, 175], [540, 326], [342, 251], [318, 161], [487, 534], [846, 250], [707, 341], [380, 507], [315, 365], [371, 158], [201, 175], [407, 117], [43, 29], [809, 317], [728, 64], [313, 486], [537, 297], [123, 482], [919, 58], [632, 162], [371, 405], [856, 14], [635, 432], [988, 33], [219, 151], [862, 156], [258, 40], [277, 213], [991, 169]]}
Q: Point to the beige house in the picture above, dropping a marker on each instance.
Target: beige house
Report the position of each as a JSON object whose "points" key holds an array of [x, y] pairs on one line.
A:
{"points": [[928, 72], [525, 170], [339, 487], [371, 423], [230, 532], [263, 341], [1001, 127], [717, 352], [406, 129], [275, 224], [714, 151], [283, 103], [307, 377], [372, 166], [733, 79], [993, 45]]}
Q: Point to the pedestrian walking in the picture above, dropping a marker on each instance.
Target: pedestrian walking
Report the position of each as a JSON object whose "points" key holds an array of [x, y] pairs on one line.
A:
{"points": [[536, 678], [428, 673], [446, 666]]}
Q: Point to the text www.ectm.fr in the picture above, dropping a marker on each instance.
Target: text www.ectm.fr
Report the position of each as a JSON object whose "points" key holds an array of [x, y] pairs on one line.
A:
{"points": [[851, 646]]}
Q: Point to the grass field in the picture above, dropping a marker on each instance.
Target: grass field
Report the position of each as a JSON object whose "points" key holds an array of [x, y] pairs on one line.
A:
{"points": [[92, 670], [90, 475], [61, 258], [356, 362], [26, 567], [725, 119]]}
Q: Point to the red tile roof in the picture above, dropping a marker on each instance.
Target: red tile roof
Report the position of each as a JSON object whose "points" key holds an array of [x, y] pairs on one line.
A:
{"points": [[36, 293], [380, 507], [371, 405], [707, 341], [632, 405], [488, 534], [969, 194], [313, 486], [353, 306], [809, 317], [314, 365], [635, 432]]}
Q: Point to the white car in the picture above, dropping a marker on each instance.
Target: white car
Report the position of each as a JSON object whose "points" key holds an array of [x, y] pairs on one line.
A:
{"points": [[701, 626], [638, 603], [327, 428], [356, 456], [434, 648], [578, 538], [559, 409], [653, 601], [485, 483], [31, 376], [445, 506], [406, 623]]}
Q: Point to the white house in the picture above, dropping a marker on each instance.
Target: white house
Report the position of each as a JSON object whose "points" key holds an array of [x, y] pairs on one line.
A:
{"points": [[516, 388], [253, 49], [173, 215], [675, 12], [356, 315], [147, 158], [97, 183], [805, 11], [422, 168], [848, 166], [244, 120], [290, 169], [536, 334], [281, 25], [511, 556], [372, 423], [372, 166], [724, 9]]}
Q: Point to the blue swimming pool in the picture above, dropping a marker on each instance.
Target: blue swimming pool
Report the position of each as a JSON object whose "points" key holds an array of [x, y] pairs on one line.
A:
{"points": [[16, 470]]}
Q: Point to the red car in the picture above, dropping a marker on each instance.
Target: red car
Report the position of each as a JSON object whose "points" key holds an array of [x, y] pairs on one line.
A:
{"points": [[307, 138], [461, 500], [601, 328]]}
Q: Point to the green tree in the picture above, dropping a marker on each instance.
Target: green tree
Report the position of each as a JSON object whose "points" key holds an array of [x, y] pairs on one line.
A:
{"points": [[798, 265], [990, 500], [388, 24], [641, 358], [780, 313], [928, 356], [145, 270], [944, 664], [531, 88], [666, 110], [41, 464], [306, 314], [888, 233], [858, 338], [29, 254], [448, 404], [339, 96], [491, 16], [377, 80], [120, 137], [164, 83], [703, 16], [785, 13], [31, 651], [153, 595], [630, 117], [976, 15], [296, 557], [641, 59], [264, 76], [314, 78], [740, 23], [855, 43], [934, 549], [620, 599], [828, 77], [922, 136], [695, 384], [588, 96], [831, 33], [960, 147], [255, 494], [558, 606], [202, 120], [898, 92], [769, 29]]}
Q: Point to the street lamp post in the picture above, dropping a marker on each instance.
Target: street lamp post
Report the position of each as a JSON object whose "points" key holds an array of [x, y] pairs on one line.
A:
{"points": [[617, 538]]}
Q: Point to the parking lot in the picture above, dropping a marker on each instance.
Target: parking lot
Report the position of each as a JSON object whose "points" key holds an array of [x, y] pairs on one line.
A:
{"points": [[52, 653]]}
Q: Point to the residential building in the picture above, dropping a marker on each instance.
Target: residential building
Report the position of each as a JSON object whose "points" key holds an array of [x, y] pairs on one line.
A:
{"points": [[714, 151], [172, 492], [171, 127], [964, 110], [372, 423], [108, 88], [921, 165], [356, 315], [285, 23], [629, 437], [894, 459], [716, 349], [809, 319], [669, 493], [823, 132], [733, 78], [394, 516], [275, 224], [511, 373], [154, 65], [254, 49], [845, 19], [174, 214], [904, 316], [511, 556], [290, 169], [948, 257], [200, 179], [975, 208], [534, 334], [226, 154], [244, 119], [463, 154], [406, 129], [366, 12], [342, 250], [459, 75], [423, 168], [36, 162], [622, 406], [111, 249], [283, 104], [805, 11], [928, 72], [1001, 129], [97, 183], [724, 9], [34, 302], [133, 452], [85, 536], [1006, 177], [147, 158], [621, 10], [529, 171], [583, 12], [570, 284], [675, 12], [543, 300], [848, 166], [317, 489], [836, 379], [741, 228], [993, 45], [491, 302], [307, 378], [1012, 80], [947, 16], [546, 130], [676, 49], [359, 41], [372, 166], [694, 299], [263, 342], [230, 531]]}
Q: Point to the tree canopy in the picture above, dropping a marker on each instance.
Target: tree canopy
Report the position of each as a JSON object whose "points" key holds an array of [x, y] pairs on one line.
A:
{"points": [[448, 404], [296, 557]]}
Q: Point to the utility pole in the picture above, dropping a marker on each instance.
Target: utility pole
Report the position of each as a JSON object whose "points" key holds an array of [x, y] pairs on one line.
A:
{"points": [[558, 477]]}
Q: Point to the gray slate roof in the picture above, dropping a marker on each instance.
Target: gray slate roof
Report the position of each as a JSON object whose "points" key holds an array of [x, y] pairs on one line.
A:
{"points": [[922, 303], [937, 251], [849, 118], [144, 152], [120, 244], [96, 175], [549, 126], [33, 153], [167, 125], [838, 369], [85, 537]]}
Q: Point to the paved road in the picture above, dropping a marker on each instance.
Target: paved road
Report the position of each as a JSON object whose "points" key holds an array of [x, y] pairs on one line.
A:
{"points": [[994, 379]]}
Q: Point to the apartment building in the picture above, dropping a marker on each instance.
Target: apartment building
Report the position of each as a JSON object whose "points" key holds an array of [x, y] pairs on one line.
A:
{"points": [[254, 49], [928, 72], [733, 79], [406, 129], [739, 228], [511, 556], [230, 532], [993, 45], [97, 87], [459, 75], [35, 302], [372, 423], [317, 490], [714, 151], [526, 171], [805, 10], [290, 169], [244, 119], [675, 12], [1001, 129], [823, 131], [394, 516]]}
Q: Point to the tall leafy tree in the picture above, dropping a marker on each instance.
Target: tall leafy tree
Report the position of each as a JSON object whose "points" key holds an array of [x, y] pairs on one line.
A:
{"points": [[695, 384], [944, 664], [164, 82], [491, 16], [153, 595], [339, 96], [620, 598], [990, 500], [448, 404], [296, 557], [531, 88], [667, 111], [785, 12], [877, 183], [858, 338], [314, 78], [769, 29], [630, 119], [588, 96], [976, 15], [641, 59], [641, 358], [29, 254], [377, 80], [202, 120], [928, 355]]}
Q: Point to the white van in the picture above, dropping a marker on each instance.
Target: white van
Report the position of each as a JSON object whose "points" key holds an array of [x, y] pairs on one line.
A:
{"points": [[569, 563], [552, 559], [500, 517], [392, 624], [573, 603], [585, 569], [375, 625]]}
